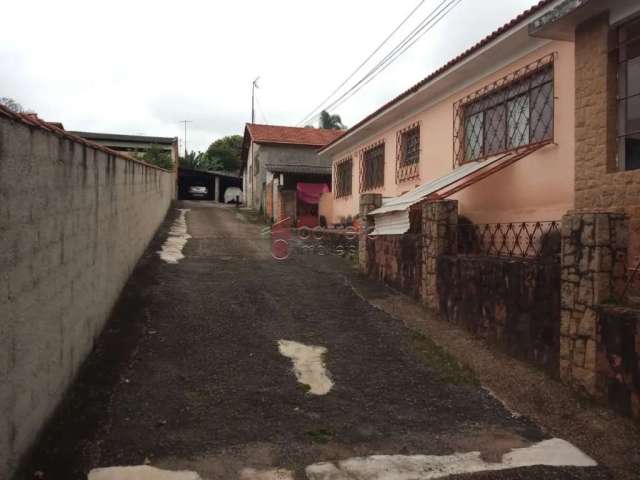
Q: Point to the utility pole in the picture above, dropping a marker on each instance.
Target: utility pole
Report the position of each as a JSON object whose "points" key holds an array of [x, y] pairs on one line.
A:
{"points": [[185, 137], [254, 85]]}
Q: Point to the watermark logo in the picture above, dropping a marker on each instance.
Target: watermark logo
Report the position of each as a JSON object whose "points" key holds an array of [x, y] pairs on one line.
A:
{"points": [[287, 241]]}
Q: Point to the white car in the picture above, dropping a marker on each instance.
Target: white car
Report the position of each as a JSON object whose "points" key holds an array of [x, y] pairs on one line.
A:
{"points": [[232, 195], [198, 191]]}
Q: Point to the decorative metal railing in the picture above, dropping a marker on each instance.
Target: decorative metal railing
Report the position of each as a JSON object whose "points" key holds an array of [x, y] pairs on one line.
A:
{"points": [[408, 153], [512, 112], [523, 240], [372, 167], [343, 175]]}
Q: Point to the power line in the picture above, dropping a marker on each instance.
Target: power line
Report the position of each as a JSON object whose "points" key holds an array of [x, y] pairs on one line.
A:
{"points": [[185, 135], [382, 65], [435, 16], [429, 22], [377, 49]]}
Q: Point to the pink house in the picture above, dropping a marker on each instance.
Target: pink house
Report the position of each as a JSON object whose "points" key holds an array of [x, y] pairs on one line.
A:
{"points": [[493, 128]]}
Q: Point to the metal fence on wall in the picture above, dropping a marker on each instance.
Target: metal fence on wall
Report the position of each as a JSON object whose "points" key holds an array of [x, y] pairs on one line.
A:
{"points": [[522, 239]]}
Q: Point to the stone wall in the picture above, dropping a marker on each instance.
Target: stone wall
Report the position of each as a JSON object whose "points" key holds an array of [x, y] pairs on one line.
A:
{"points": [[598, 183], [74, 220], [368, 203], [439, 237], [512, 303], [618, 358], [594, 251], [397, 261]]}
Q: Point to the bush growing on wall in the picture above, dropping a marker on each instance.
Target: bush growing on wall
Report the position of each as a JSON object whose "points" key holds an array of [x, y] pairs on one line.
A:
{"points": [[158, 157]]}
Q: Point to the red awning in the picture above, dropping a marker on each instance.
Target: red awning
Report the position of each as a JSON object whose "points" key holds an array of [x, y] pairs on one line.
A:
{"points": [[311, 192]]}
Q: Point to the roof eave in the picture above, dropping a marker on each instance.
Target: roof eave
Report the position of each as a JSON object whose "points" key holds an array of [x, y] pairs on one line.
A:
{"points": [[466, 58]]}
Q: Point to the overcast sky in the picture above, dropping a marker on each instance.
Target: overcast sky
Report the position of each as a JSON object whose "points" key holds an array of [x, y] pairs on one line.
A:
{"points": [[139, 67]]}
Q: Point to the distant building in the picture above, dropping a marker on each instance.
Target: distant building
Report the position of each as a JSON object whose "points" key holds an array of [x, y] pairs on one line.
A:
{"points": [[132, 143], [283, 176]]}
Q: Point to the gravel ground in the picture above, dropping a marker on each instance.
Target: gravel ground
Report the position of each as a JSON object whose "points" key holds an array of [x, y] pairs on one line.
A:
{"points": [[610, 439], [187, 374]]}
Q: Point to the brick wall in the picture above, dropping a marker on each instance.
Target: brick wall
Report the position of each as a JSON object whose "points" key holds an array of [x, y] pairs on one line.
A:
{"points": [[598, 183], [73, 223]]}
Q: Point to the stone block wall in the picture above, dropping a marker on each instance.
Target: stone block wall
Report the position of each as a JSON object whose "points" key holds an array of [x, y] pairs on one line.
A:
{"points": [[598, 182], [594, 251], [439, 237], [74, 220], [397, 261], [512, 303], [618, 358], [368, 203]]}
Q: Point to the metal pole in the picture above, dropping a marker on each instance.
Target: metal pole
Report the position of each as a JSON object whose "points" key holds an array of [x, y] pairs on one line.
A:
{"points": [[254, 85], [185, 137]]}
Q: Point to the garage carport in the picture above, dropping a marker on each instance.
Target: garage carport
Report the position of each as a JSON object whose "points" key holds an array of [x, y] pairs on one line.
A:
{"points": [[215, 182]]}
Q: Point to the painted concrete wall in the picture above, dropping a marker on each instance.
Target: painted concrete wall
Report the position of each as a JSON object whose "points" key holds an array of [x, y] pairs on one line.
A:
{"points": [[538, 187], [73, 223]]}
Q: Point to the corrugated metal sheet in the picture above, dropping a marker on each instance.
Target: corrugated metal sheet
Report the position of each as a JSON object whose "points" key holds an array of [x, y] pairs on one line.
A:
{"points": [[403, 202], [393, 223]]}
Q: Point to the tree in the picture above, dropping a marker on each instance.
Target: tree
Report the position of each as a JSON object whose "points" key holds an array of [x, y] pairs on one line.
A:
{"points": [[11, 104], [195, 161], [331, 122], [224, 154], [155, 155]]}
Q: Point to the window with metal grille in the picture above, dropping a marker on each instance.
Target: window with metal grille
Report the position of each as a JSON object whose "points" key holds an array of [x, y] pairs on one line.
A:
{"points": [[372, 167], [629, 96], [513, 112], [343, 178], [407, 153]]}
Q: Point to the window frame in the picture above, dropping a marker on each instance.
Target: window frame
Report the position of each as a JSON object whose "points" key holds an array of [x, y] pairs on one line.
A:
{"points": [[343, 178], [623, 97], [531, 82], [407, 170], [376, 183]]}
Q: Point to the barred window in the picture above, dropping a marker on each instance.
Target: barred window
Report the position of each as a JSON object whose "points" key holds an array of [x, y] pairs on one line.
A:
{"points": [[408, 153], [372, 168], [629, 96], [343, 178], [516, 113]]}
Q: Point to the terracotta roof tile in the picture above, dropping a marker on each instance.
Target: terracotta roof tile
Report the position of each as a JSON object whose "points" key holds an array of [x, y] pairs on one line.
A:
{"points": [[453, 62], [315, 137]]}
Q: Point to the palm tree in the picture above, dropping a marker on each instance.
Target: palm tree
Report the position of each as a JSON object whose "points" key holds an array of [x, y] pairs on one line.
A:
{"points": [[331, 122]]}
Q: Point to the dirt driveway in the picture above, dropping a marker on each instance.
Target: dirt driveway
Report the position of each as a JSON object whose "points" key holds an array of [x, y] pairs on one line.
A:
{"points": [[192, 374]]}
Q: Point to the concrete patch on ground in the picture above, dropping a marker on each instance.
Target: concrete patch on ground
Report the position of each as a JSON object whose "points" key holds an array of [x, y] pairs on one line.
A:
{"points": [[140, 472], [308, 365], [273, 474], [172, 248], [554, 452]]}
